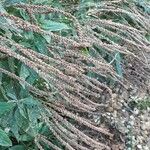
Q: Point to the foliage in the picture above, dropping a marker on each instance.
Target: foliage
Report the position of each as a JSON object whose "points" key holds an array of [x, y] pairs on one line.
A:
{"points": [[144, 104], [57, 69]]}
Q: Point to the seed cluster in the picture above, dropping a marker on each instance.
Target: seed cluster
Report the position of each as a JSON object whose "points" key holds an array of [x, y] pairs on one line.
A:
{"points": [[66, 73]]}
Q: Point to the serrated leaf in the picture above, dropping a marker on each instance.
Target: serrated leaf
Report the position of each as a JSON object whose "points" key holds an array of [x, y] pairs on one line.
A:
{"points": [[4, 139]]}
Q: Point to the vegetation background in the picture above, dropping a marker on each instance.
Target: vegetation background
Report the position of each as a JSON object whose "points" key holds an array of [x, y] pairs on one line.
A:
{"points": [[62, 65]]}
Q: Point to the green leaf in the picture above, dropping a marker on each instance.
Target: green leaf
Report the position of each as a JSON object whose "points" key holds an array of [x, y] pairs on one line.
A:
{"points": [[28, 35], [33, 76], [85, 51], [24, 73], [6, 24], [53, 26], [11, 95], [14, 128], [47, 38], [29, 101], [3, 94], [10, 89], [26, 137], [17, 147], [8, 2], [148, 37], [118, 64], [33, 116], [5, 107], [4, 139], [42, 1], [40, 43], [24, 14], [87, 3], [22, 110], [21, 121], [11, 64]]}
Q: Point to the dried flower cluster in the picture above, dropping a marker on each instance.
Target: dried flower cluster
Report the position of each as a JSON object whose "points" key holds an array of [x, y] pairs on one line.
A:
{"points": [[69, 91]]}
